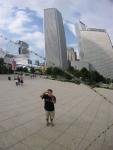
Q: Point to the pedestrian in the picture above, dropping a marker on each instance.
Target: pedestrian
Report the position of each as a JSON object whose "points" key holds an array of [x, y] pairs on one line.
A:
{"points": [[16, 83], [18, 78], [49, 101], [21, 80]]}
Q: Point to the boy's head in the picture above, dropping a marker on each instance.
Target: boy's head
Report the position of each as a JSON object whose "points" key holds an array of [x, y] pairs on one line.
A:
{"points": [[50, 92]]}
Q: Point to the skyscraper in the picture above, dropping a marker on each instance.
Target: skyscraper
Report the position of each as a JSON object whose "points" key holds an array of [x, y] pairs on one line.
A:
{"points": [[96, 48], [71, 54], [55, 42], [23, 47]]}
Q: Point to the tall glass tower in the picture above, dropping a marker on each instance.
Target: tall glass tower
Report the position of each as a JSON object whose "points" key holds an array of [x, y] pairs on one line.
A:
{"points": [[95, 47], [55, 41]]}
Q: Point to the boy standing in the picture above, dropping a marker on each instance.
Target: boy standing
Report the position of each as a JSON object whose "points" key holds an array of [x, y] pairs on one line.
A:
{"points": [[49, 101]]}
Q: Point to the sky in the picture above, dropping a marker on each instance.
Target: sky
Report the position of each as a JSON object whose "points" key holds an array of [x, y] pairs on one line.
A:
{"points": [[23, 20]]}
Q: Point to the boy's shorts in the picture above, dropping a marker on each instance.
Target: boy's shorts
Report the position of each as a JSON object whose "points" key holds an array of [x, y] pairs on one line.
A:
{"points": [[50, 114]]}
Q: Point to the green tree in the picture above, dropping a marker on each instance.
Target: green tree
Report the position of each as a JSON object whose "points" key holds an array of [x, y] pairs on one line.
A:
{"points": [[25, 70], [32, 70], [1, 65], [85, 74], [57, 71], [73, 71], [49, 70], [20, 69], [96, 77]]}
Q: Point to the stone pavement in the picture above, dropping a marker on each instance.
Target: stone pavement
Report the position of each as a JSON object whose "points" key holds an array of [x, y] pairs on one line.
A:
{"points": [[84, 120]]}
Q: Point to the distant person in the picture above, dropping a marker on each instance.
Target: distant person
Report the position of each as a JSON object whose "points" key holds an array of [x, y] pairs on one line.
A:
{"points": [[21, 80], [18, 78], [9, 78], [16, 83], [49, 101]]}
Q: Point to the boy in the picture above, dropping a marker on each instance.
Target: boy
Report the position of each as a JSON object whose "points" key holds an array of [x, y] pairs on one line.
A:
{"points": [[49, 101]]}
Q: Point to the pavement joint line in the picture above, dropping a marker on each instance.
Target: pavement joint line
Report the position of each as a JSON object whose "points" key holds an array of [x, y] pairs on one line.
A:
{"points": [[105, 98], [75, 105], [103, 141], [29, 91], [79, 113], [80, 100], [20, 98], [98, 137], [18, 125], [19, 141], [36, 117], [71, 124], [15, 107], [43, 128], [90, 125], [21, 114], [29, 148], [105, 131], [1, 148]]}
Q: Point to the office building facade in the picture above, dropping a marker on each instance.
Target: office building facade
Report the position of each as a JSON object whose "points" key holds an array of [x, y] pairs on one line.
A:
{"points": [[55, 41], [71, 55], [96, 48], [23, 48]]}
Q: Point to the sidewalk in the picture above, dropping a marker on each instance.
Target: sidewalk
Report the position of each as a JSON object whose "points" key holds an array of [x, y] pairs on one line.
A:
{"points": [[83, 119]]}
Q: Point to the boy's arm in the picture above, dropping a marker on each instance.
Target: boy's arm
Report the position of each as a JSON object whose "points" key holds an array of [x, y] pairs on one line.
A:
{"points": [[54, 99], [42, 96]]}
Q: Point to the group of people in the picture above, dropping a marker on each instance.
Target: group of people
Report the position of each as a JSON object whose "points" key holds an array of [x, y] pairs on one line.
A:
{"points": [[20, 80]]}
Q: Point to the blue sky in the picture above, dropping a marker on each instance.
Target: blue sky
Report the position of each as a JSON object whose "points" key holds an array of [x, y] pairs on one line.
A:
{"points": [[23, 20]]}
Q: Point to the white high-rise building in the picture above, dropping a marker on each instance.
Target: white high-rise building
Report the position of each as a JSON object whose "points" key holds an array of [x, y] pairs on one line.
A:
{"points": [[55, 42], [96, 48], [23, 47], [71, 54]]}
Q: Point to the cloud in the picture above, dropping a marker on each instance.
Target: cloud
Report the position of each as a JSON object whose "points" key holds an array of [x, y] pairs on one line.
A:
{"points": [[15, 18], [35, 38], [36, 42], [17, 23]]}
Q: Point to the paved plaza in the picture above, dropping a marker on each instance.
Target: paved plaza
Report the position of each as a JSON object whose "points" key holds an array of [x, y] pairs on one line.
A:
{"points": [[84, 119]]}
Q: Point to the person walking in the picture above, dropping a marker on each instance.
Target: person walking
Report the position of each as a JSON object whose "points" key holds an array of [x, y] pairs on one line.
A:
{"points": [[49, 101], [18, 78], [21, 80]]}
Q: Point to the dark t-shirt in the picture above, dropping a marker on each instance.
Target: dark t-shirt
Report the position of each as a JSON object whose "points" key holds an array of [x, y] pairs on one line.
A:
{"points": [[49, 102]]}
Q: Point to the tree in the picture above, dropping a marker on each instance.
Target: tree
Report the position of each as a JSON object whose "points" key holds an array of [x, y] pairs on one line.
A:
{"points": [[1, 61], [20, 69], [32, 70], [49, 71], [96, 77], [57, 71], [25, 70], [1, 65], [84, 73], [73, 71]]}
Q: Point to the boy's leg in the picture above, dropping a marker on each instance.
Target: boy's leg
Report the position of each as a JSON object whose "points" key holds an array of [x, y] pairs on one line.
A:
{"points": [[47, 117], [52, 115]]}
